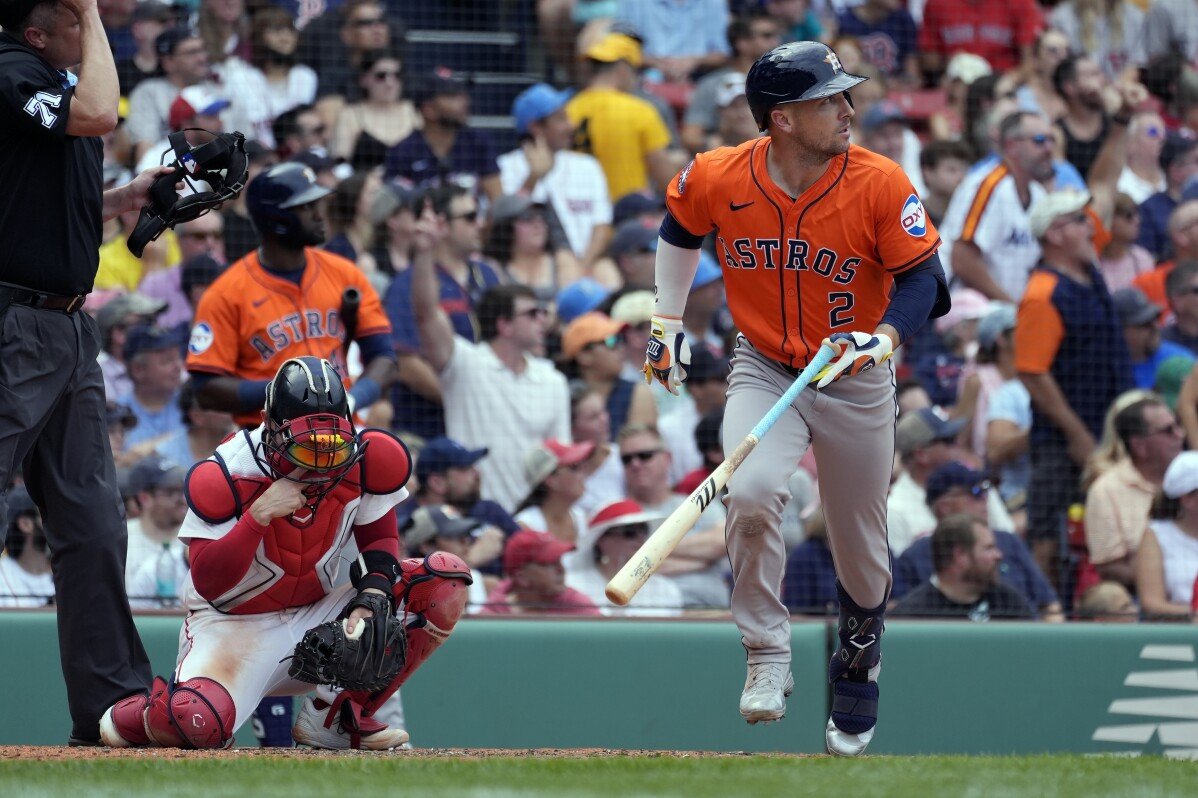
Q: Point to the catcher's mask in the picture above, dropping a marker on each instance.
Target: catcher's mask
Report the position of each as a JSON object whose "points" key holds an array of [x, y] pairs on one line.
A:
{"points": [[221, 163], [309, 436]]}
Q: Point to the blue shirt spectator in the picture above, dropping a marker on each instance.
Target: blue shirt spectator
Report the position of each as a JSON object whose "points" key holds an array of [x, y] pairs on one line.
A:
{"points": [[1011, 402], [678, 28], [1154, 224]]}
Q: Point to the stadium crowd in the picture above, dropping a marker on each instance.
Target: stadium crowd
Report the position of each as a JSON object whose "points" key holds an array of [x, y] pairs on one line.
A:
{"points": [[496, 173]]}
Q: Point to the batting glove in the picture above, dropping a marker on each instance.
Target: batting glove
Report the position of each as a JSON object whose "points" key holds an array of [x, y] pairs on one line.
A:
{"points": [[667, 355], [855, 352]]}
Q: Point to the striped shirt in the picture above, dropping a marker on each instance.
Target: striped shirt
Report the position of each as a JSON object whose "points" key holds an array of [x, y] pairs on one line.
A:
{"points": [[986, 211]]}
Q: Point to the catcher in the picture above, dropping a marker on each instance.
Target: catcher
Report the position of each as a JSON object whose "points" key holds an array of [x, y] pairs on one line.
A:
{"points": [[275, 516]]}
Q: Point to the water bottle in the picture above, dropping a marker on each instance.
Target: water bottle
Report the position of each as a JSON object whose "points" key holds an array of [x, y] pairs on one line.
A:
{"points": [[164, 576]]}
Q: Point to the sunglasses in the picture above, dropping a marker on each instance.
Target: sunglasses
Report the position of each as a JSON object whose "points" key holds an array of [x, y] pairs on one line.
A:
{"points": [[628, 531], [1172, 429], [366, 22], [533, 313], [385, 74], [475, 215], [1154, 132], [643, 457], [1039, 139]]}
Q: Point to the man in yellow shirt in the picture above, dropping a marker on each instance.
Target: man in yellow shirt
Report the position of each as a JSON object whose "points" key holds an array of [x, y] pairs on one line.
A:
{"points": [[625, 133]]}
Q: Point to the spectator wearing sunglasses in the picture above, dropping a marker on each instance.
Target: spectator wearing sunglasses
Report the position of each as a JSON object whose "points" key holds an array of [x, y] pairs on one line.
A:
{"points": [[1143, 176], [1122, 259], [956, 489], [500, 393], [699, 564], [614, 534], [593, 344], [365, 130], [1066, 315]]}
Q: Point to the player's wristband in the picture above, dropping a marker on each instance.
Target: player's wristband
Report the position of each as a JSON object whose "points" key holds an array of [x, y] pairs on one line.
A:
{"points": [[365, 392], [252, 394]]}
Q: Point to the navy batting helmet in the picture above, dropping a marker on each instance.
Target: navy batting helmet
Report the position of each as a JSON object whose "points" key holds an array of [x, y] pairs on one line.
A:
{"points": [[271, 196], [794, 72]]}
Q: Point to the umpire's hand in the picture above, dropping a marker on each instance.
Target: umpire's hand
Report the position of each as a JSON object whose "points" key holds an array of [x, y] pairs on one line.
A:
{"points": [[136, 193]]}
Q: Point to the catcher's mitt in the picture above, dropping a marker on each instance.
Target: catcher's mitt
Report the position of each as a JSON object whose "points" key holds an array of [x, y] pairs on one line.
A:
{"points": [[368, 660]]}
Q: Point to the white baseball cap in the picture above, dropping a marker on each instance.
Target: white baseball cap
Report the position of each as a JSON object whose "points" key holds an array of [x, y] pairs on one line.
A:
{"points": [[1181, 477], [1046, 209]]}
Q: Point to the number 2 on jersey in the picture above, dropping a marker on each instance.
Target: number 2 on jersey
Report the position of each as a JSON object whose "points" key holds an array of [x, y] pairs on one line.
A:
{"points": [[839, 304]]}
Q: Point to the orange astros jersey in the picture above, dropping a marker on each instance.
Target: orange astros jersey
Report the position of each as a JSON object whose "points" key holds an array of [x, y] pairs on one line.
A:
{"points": [[796, 271], [249, 321]]}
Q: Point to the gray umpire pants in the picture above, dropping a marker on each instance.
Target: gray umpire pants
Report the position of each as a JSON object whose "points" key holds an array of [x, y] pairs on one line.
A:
{"points": [[850, 424], [53, 424]]}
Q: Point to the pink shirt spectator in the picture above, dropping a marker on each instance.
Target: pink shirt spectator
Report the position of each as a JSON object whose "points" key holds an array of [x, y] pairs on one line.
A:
{"points": [[164, 284], [1120, 272]]}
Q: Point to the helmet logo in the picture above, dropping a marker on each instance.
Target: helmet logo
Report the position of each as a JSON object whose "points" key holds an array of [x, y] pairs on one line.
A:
{"points": [[311, 175], [832, 59]]}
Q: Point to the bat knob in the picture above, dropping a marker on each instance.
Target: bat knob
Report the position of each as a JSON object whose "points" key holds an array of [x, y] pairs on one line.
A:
{"points": [[616, 596]]}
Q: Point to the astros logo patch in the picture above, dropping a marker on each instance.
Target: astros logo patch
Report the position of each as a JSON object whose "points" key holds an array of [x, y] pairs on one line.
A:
{"points": [[683, 175], [201, 339], [913, 218]]}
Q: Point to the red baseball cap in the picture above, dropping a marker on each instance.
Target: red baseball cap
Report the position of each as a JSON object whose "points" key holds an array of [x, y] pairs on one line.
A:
{"points": [[542, 461], [527, 546], [192, 102]]}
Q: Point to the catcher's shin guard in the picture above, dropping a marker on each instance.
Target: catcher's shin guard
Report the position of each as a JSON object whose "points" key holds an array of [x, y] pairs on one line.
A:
{"points": [[854, 667], [197, 713], [434, 591], [123, 725]]}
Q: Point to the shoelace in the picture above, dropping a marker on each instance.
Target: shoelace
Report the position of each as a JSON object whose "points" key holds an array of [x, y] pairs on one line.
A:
{"points": [[767, 677]]}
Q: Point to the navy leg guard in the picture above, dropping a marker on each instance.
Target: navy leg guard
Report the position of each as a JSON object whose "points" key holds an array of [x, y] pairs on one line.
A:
{"points": [[272, 722], [853, 669]]}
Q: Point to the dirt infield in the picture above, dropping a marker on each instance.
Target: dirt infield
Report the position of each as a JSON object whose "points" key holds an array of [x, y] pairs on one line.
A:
{"points": [[53, 753]]}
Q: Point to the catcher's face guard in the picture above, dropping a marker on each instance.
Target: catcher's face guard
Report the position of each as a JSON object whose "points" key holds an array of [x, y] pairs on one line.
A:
{"points": [[317, 449]]}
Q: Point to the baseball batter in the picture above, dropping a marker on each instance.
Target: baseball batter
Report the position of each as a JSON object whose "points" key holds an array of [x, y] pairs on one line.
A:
{"points": [[275, 516], [821, 242]]}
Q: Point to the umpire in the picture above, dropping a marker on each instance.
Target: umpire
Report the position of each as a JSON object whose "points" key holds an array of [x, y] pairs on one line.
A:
{"points": [[52, 408]]}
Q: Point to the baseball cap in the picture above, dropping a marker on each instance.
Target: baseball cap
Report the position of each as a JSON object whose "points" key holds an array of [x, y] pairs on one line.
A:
{"points": [[192, 102], [918, 429], [438, 82], [589, 328], [949, 476], [1170, 375], [509, 206], [1181, 477], [537, 102], [967, 305], [730, 86], [12, 12], [635, 307], [634, 204], [1133, 307], [543, 460], [116, 413], [169, 39], [616, 47], [707, 272], [441, 454], [1046, 209], [201, 269], [437, 521], [967, 67], [149, 338], [579, 297], [124, 305], [1175, 146], [999, 319], [707, 431], [154, 472], [315, 158], [632, 236], [152, 11], [392, 197], [19, 502], [623, 512], [706, 365], [528, 546], [881, 113]]}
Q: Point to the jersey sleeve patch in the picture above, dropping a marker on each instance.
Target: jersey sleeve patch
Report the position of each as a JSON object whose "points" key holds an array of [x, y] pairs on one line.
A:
{"points": [[683, 175], [913, 218], [387, 464], [201, 338]]}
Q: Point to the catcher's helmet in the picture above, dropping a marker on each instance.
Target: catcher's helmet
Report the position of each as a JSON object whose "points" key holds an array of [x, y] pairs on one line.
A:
{"points": [[793, 72], [271, 196], [308, 427]]}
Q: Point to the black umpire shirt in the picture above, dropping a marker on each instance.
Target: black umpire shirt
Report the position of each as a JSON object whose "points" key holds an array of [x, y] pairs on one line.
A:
{"points": [[51, 214]]}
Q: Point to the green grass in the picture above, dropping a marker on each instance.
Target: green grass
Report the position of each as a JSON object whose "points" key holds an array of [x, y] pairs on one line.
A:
{"points": [[392, 776]]}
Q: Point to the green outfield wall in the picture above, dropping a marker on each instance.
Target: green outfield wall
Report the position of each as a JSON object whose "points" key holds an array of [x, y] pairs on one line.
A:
{"points": [[946, 687]]}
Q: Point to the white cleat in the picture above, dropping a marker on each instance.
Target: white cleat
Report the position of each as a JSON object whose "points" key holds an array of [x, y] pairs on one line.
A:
{"points": [[842, 743], [309, 730], [766, 687]]}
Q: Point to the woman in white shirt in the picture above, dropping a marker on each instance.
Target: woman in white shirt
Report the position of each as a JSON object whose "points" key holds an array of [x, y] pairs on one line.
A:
{"points": [[275, 42], [1167, 560], [557, 473]]}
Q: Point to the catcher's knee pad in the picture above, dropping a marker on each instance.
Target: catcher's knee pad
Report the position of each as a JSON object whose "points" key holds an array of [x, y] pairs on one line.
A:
{"points": [[435, 587], [197, 713]]}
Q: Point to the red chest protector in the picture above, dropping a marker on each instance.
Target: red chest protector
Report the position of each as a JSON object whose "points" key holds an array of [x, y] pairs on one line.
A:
{"points": [[299, 545]]}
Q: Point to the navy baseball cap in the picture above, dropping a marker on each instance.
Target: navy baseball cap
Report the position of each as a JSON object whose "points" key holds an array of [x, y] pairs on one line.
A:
{"points": [[537, 102], [201, 269], [953, 475], [440, 454], [19, 502], [147, 338], [439, 82], [635, 204], [1175, 146], [631, 237], [171, 38], [883, 113], [706, 365], [154, 472]]}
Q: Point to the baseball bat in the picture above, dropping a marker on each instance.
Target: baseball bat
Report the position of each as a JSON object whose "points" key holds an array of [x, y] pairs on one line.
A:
{"points": [[350, 300], [653, 552]]}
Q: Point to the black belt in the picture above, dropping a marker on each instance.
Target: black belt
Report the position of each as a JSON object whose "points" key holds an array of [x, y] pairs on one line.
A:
{"points": [[15, 295]]}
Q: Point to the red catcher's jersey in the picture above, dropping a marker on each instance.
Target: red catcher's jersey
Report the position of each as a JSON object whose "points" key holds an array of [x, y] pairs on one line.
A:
{"points": [[294, 565], [798, 270]]}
